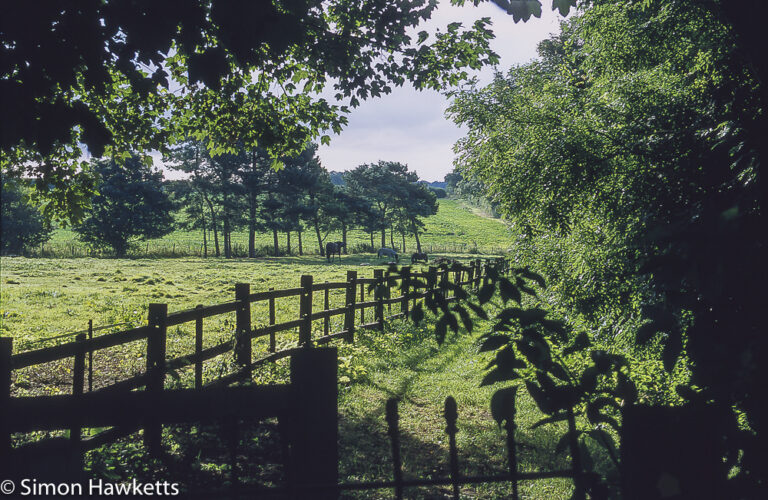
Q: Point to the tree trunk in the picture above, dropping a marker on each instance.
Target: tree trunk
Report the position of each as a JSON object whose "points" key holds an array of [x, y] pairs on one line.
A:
{"points": [[205, 240], [392, 237], [344, 236], [274, 240], [301, 248], [288, 242], [251, 226], [403, 235], [227, 248], [384, 237], [418, 243], [319, 238], [372, 247], [215, 229]]}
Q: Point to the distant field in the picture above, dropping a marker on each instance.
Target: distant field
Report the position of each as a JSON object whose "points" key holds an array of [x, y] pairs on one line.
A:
{"points": [[455, 228]]}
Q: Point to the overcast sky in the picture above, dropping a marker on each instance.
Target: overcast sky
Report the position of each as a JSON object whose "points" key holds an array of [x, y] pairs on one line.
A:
{"points": [[410, 126]]}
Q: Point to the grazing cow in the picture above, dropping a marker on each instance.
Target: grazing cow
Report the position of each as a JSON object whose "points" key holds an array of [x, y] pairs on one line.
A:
{"points": [[388, 252], [333, 248], [416, 257]]}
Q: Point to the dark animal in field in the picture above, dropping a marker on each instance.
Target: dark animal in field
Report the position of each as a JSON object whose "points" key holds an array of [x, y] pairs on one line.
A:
{"points": [[388, 252], [419, 257], [333, 248]]}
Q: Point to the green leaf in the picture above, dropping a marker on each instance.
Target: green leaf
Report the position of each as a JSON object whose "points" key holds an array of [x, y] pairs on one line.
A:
{"points": [[564, 6]]}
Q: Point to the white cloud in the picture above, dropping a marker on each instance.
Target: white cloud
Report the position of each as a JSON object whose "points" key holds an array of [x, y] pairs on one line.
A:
{"points": [[409, 126]]}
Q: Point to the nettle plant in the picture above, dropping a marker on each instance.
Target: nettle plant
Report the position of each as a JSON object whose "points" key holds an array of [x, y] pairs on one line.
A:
{"points": [[568, 377]]}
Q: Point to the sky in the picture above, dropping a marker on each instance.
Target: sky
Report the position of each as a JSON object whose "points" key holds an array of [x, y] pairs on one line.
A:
{"points": [[409, 126]]}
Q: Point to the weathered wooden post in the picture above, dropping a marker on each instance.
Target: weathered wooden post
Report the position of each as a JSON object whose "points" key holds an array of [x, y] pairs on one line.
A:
{"points": [[156, 344], [406, 286], [305, 311], [243, 325], [326, 306], [199, 347], [362, 300], [272, 343], [6, 349], [349, 314], [90, 357], [314, 426], [378, 294], [431, 277], [78, 387]]}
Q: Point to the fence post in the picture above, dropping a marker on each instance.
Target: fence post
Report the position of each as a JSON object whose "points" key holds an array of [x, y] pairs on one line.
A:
{"points": [[314, 454], [90, 357], [78, 382], [272, 344], [349, 314], [243, 326], [326, 306], [305, 311], [199, 347], [406, 286], [432, 278], [6, 348], [362, 300], [378, 275], [156, 342]]}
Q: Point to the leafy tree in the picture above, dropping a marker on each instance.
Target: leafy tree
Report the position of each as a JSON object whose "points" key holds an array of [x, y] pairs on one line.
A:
{"points": [[631, 154], [23, 225], [415, 201], [384, 184], [131, 205], [92, 75]]}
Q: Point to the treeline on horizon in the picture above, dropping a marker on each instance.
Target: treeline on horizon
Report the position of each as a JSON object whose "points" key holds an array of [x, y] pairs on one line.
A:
{"points": [[232, 192]]}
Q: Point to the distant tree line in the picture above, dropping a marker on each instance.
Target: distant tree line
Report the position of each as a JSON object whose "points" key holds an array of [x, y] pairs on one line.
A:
{"points": [[232, 192]]}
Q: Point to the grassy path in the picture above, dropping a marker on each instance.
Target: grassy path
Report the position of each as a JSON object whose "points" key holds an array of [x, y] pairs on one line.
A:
{"points": [[421, 377]]}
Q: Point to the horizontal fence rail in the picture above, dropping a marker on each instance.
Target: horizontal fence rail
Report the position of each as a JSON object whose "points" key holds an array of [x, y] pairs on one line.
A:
{"points": [[118, 406]]}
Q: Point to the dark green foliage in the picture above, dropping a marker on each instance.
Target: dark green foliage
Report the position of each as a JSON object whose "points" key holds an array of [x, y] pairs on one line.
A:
{"points": [[23, 225], [131, 205], [98, 74]]}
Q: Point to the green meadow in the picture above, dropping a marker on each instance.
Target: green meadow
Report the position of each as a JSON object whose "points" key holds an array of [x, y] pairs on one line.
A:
{"points": [[456, 227]]}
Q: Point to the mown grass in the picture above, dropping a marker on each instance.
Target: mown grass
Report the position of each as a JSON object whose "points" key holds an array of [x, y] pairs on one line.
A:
{"points": [[455, 228]]}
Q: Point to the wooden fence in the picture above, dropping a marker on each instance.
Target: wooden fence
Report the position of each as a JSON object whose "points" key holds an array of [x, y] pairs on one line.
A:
{"points": [[108, 406]]}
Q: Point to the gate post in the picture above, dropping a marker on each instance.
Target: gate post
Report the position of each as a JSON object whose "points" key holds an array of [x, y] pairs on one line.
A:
{"points": [[314, 433], [349, 314], [156, 345], [6, 348], [243, 347]]}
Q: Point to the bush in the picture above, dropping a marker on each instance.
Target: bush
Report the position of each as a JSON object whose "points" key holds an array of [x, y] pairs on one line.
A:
{"points": [[22, 226]]}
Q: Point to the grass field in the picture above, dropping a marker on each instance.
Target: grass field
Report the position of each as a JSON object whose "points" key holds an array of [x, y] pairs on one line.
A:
{"points": [[455, 228], [46, 297]]}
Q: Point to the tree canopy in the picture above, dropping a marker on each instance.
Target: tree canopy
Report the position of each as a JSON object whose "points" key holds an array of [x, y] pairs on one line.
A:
{"points": [[134, 76]]}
